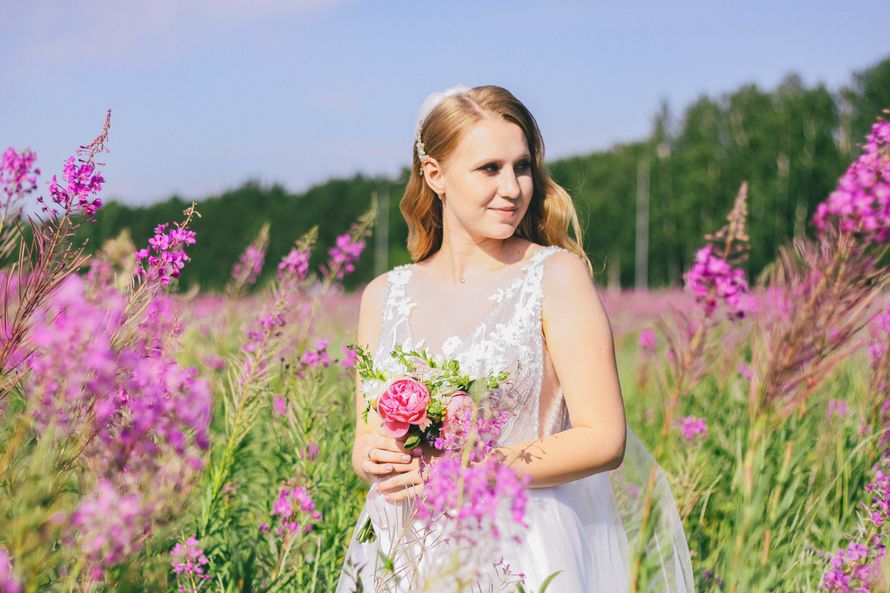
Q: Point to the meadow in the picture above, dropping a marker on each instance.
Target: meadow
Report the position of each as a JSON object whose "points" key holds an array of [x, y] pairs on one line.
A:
{"points": [[155, 440]]}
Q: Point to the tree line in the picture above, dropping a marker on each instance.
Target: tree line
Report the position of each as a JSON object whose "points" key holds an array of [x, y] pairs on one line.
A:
{"points": [[791, 144]]}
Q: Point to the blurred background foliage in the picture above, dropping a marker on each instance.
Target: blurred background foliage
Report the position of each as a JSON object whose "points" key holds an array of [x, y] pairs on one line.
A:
{"points": [[791, 144]]}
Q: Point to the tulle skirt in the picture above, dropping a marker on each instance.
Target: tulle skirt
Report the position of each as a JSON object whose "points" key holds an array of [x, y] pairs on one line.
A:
{"points": [[585, 530]]}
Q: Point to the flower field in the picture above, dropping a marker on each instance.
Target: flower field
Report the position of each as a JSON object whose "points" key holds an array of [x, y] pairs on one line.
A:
{"points": [[152, 440]]}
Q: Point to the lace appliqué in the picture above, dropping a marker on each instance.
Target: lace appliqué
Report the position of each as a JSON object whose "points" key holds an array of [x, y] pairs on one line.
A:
{"points": [[508, 339]]}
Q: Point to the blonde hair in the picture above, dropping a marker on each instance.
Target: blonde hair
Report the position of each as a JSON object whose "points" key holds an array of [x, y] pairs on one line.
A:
{"points": [[551, 210]]}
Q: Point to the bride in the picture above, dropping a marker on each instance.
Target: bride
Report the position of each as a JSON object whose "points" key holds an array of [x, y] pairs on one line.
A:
{"points": [[498, 283]]}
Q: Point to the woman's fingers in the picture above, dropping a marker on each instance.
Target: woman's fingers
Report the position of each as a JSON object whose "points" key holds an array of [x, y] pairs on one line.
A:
{"points": [[381, 455], [377, 469], [400, 481], [380, 440], [407, 492]]}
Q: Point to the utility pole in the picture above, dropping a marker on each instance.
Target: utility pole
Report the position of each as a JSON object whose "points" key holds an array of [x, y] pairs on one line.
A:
{"points": [[381, 235], [641, 243]]}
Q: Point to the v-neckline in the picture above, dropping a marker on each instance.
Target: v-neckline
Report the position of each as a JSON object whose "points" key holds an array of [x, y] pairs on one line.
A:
{"points": [[524, 267]]}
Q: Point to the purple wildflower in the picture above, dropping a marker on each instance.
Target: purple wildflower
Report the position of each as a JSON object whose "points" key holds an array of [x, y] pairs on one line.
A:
{"points": [[188, 560], [836, 407], [744, 370], [169, 256], [344, 254], [473, 496], [18, 176], [310, 452], [294, 265], [248, 267], [110, 526], [861, 202], [82, 182], [296, 510], [485, 429], [317, 357], [855, 567], [711, 280], [647, 341], [349, 361], [693, 427], [879, 330], [8, 581], [279, 404]]}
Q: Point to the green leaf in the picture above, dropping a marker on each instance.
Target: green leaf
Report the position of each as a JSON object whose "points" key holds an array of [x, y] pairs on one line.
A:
{"points": [[548, 580], [366, 533]]}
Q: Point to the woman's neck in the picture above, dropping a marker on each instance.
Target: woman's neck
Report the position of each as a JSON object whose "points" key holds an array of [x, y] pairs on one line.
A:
{"points": [[461, 260]]}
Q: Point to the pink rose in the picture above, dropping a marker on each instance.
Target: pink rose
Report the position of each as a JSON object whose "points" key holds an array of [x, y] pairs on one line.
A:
{"points": [[403, 403], [458, 410]]}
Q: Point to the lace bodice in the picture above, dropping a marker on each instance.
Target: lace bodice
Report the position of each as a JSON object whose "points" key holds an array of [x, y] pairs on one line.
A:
{"points": [[491, 327]]}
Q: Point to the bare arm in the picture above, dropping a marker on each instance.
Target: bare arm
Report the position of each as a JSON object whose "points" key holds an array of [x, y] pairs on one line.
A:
{"points": [[579, 340], [374, 454]]}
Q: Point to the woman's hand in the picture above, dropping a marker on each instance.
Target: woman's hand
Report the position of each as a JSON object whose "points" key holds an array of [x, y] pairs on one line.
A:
{"points": [[386, 456], [408, 484]]}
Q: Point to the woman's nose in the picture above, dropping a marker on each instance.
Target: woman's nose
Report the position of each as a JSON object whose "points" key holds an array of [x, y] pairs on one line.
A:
{"points": [[509, 183]]}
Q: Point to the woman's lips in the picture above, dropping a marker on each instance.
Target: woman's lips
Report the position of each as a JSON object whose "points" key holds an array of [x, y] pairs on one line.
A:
{"points": [[505, 212]]}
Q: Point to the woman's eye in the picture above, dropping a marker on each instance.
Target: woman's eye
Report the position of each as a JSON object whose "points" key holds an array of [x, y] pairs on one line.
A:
{"points": [[523, 165], [491, 167]]}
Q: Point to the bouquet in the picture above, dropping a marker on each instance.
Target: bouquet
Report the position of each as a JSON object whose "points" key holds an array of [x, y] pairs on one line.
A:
{"points": [[420, 398]]}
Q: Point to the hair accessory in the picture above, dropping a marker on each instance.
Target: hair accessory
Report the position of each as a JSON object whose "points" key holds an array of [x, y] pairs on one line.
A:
{"points": [[430, 103]]}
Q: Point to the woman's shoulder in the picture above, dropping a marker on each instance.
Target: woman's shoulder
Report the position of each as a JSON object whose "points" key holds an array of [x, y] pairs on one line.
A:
{"points": [[564, 268], [375, 291]]}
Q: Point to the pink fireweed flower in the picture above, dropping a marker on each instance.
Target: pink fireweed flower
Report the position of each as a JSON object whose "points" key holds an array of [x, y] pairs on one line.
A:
{"points": [[647, 341], [349, 361], [279, 404], [294, 265], [318, 357], [458, 414], [460, 426], [9, 583], [403, 403], [344, 254], [861, 202], [296, 510], [836, 407], [18, 176], [879, 330], [214, 362], [854, 568], [693, 427], [267, 325], [169, 254], [248, 267], [82, 181], [310, 452], [711, 280], [744, 370], [473, 496], [188, 559], [109, 526]]}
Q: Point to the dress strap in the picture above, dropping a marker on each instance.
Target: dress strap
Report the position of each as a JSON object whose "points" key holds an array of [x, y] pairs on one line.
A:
{"points": [[534, 288], [396, 306]]}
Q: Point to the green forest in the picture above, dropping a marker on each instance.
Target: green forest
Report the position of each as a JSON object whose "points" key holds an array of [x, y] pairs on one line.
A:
{"points": [[790, 144]]}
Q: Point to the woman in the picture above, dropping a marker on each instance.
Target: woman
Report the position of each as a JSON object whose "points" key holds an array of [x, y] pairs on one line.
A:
{"points": [[498, 284]]}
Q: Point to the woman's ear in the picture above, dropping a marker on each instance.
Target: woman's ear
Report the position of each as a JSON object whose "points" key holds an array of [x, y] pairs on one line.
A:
{"points": [[434, 175]]}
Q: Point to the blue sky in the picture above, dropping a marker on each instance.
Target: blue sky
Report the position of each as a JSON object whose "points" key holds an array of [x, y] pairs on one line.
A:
{"points": [[208, 93]]}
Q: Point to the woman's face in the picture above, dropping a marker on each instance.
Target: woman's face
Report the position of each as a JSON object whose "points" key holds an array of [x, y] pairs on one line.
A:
{"points": [[486, 181]]}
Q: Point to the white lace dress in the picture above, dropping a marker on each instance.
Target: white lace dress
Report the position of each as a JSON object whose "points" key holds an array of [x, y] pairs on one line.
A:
{"points": [[586, 529]]}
